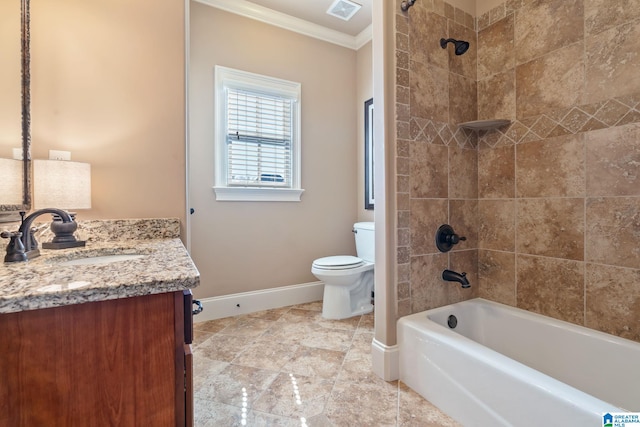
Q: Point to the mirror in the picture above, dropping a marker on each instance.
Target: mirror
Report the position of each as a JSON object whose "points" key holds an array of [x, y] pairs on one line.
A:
{"points": [[15, 116]]}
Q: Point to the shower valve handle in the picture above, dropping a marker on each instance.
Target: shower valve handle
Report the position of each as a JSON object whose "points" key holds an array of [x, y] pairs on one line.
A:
{"points": [[454, 239], [446, 238]]}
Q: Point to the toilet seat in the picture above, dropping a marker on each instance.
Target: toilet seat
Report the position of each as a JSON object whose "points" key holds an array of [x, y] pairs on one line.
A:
{"points": [[340, 262]]}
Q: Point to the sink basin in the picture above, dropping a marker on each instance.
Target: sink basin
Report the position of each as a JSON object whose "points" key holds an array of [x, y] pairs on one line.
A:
{"points": [[103, 259]]}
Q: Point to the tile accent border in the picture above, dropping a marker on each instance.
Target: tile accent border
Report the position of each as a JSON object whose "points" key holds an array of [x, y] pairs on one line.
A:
{"points": [[582, 118]]}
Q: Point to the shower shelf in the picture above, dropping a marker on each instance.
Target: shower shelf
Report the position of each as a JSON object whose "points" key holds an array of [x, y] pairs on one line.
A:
{"points": [[484, 124]]}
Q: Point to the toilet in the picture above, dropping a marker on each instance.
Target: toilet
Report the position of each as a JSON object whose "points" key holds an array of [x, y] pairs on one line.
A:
{"points": [[348, 280]]}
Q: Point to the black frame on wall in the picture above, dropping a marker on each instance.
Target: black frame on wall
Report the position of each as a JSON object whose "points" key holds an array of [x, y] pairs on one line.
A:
{"points": [[368, 155]]}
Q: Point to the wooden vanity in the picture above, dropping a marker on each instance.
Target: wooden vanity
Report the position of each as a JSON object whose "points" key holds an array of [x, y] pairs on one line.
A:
{"points": [[114, 352]]}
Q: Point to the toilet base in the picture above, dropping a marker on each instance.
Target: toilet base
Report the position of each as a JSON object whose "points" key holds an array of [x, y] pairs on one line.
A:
{"points": [[340, 303]]}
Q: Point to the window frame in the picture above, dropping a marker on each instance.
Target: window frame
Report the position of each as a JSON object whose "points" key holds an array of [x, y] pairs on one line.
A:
{"points": [[231, 78]]}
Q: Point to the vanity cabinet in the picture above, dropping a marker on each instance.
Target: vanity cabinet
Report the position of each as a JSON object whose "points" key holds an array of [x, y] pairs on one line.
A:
{"points": [[120, 362]]}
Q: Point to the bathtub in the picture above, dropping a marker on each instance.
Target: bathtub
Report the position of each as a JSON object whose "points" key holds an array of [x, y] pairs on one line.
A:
{"points": [[504, 366]]}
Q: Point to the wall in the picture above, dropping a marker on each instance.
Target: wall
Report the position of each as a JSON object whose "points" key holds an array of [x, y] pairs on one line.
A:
{"points": [[436, 162], [108, 85], [364, 64], [550, 204], [248, 246], [559, 208]]}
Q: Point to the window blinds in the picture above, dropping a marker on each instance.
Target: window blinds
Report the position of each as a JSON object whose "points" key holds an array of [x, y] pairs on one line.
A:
{"points": [[259, 139]]}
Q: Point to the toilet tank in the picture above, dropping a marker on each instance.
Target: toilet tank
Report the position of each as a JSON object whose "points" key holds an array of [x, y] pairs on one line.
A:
{"points": [[365, 240]]}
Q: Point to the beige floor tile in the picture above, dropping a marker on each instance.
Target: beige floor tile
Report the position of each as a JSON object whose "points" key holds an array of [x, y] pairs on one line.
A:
{"points": [[295, 396], [266, 354], [316, 362], [363, 404], [290, 367], [237, 385]]}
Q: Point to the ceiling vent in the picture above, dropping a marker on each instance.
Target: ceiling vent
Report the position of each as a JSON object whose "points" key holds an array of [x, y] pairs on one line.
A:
{"points": [[343, 9]]}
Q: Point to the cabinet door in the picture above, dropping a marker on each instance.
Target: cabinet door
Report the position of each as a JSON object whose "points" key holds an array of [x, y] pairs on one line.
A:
{"points": [[93, 364], [188, 384]]}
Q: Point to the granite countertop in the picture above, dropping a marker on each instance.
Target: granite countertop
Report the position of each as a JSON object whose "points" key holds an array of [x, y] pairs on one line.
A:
{"points": [[43, 282]]}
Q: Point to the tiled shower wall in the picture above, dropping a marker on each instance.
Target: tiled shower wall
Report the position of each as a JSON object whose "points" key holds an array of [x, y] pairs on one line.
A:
{"points": [[437, 174], [550, 204], [559, 189]]}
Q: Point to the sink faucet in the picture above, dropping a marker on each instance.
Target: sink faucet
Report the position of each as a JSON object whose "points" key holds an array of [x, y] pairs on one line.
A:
{"points": [[23, 245], [452, 276]]}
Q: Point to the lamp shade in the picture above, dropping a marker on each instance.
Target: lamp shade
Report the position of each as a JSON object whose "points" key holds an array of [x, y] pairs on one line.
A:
{"points": [[11, 182], [61, 184]]}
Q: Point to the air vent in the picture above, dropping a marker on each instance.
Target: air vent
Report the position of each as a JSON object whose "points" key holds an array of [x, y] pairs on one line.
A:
{"points": [[343, 9]]}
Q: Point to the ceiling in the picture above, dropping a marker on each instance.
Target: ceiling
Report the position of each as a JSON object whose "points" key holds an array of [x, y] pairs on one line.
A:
{"points": [[307, 17], [315, 11]]}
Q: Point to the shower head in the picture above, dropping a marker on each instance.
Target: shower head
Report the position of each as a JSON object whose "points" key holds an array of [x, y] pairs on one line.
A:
{"points": [[461, 45]]}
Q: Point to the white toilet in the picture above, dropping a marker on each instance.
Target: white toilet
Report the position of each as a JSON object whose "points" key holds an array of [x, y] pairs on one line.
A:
{"points": [[348, 280]]}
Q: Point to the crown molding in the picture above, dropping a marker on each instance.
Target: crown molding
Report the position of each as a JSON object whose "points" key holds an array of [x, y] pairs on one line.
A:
{"points": [[364, 37], [288, 22]]}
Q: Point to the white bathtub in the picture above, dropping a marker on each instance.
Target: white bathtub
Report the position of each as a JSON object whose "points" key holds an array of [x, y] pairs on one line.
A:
{"points": [[505, 366]]}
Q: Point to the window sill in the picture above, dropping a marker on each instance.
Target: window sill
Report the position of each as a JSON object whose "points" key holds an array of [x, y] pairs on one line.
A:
{"points": [[246, 194]]}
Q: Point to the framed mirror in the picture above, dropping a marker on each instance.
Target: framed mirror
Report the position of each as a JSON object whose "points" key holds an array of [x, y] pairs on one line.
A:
{"points": [[368, 155], [15, 116]]}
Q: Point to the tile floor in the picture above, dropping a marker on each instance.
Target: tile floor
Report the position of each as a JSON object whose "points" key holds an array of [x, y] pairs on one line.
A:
{"points": [[291, 367]]}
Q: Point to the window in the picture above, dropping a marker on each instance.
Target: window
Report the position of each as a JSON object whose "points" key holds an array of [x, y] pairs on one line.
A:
{"points": [[257, 137]]}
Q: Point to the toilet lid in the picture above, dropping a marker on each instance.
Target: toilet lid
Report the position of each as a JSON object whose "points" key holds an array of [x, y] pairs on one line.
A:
{"points": [[340, 262]]}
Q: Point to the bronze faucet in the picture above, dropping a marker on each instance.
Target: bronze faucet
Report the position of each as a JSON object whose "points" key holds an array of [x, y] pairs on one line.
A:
{"points": [[23, 246]]}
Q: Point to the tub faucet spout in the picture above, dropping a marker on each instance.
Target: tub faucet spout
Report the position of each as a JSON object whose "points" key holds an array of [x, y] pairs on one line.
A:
{"points": [[452, 276]]}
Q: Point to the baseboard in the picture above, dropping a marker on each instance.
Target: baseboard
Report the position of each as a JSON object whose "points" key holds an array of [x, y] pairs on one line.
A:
{"points": [[250, 302], [385, 360]]}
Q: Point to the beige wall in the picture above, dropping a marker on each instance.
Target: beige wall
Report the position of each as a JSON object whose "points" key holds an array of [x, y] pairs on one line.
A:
{"points": [[108, 85], [10, 129], [247, 246], [364, 92]]}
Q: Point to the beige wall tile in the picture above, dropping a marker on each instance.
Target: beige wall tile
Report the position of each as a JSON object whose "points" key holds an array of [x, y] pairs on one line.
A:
{"points": [[497, 96], [542, 26], [449, 11], [497, 276], [428, 290], [463, 217], [496, 173], [496, 225], [402, 24], [465, 64], [613, 300], [612, 62], [600, 15], [425, 30], [426, 216], [551, 167], [550, 286], [463, 173], [613, 231], [429, 170], [496, 51], [613, 161], [551, 227], [463, 103], [429, 92], [550, 82]]}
